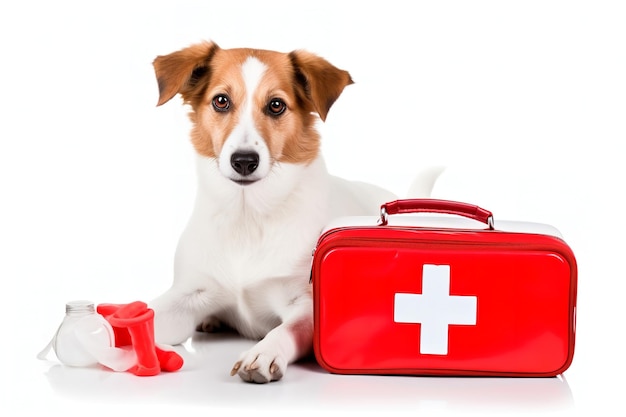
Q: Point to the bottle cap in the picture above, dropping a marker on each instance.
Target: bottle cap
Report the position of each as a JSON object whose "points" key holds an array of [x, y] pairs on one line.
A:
{"points": [[80, 306]]}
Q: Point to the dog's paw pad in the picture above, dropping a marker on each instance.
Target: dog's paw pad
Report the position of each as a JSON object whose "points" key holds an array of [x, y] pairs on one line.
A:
{"points": [[211, 325]]}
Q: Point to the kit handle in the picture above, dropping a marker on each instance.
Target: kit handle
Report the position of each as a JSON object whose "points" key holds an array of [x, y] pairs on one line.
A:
{"points": [[429, 205]]}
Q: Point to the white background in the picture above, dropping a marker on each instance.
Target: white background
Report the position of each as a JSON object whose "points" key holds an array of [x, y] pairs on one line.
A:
{"points": [[524, 102]]}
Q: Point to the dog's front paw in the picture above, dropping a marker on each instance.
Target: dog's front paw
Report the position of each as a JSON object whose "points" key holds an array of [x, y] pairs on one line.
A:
{"points": [[259, 367]]}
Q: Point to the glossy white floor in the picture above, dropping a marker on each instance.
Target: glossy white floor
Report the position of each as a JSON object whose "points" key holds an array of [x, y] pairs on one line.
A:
{"points": [[523, 103], [204, 383]]}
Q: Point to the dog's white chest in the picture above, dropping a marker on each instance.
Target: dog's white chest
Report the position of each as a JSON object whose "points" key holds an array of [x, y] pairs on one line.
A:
{"points": [[232, 257], [247, 269]]}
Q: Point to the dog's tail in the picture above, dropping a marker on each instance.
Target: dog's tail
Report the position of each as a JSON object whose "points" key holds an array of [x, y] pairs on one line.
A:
{"points": [[423, 184]]}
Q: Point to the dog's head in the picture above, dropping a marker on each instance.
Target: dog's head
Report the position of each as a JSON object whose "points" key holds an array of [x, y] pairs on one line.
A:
{"points": [[251, 108]]}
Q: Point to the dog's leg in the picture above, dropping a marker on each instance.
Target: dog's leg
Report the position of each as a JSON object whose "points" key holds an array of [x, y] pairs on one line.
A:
{"points": [[177, 312], [291, 340]]}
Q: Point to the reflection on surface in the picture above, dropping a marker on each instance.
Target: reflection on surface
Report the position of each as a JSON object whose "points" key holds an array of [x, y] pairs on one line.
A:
{"points": [[205, 380]]}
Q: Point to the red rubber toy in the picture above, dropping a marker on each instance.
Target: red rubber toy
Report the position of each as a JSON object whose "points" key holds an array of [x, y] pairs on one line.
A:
{"points": [[133, 325]]}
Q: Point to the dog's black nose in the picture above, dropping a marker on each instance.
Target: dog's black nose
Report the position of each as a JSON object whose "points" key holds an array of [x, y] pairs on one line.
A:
{"points": [[244, 163]]}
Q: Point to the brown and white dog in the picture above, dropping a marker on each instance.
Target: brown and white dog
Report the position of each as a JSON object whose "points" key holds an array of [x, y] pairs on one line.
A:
{"points": [[264, 195]]}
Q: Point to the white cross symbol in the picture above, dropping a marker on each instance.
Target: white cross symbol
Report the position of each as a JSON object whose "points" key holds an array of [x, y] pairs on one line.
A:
{"points": [[435, 309]]}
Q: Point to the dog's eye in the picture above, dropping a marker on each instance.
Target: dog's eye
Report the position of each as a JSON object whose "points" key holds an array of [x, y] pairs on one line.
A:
{"points": [[276, 107], [221, 102]]}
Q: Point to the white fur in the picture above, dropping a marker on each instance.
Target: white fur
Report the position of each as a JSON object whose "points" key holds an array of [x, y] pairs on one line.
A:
{"points": [[244, 258], [245, 136]]}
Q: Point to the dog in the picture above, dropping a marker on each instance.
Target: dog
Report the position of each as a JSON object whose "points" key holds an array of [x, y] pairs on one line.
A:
{"points": [[263, 197]]}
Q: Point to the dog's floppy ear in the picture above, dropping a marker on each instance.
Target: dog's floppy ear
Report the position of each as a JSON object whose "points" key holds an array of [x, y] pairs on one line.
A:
{"points": [[181, 71], [322, 82]]}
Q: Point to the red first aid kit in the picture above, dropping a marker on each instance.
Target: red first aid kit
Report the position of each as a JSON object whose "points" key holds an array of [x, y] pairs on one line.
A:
{"points": [[449, 292]]}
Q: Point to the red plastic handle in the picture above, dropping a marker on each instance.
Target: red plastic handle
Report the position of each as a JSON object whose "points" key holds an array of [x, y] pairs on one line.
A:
{"points": [[429, 205]]}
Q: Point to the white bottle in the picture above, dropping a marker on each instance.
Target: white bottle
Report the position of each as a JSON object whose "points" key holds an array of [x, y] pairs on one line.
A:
{"points": [[81, 331], [85, 338]]}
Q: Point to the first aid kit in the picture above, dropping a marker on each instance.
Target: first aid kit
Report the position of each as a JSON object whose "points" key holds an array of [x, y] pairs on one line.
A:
{"points": [[437, 287]]}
